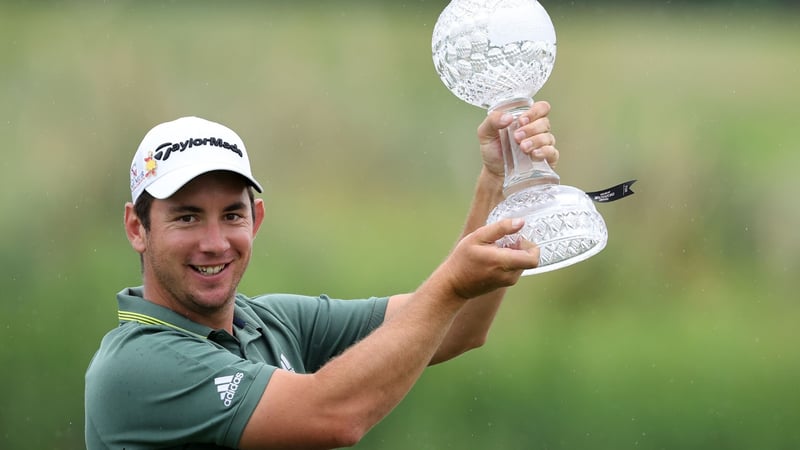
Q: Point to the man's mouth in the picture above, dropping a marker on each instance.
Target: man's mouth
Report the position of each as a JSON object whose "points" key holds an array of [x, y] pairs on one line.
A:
{"points": [[209, 270]]}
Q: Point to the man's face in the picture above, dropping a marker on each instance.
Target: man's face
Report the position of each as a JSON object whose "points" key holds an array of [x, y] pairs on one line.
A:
{"points": [[199, 244]]}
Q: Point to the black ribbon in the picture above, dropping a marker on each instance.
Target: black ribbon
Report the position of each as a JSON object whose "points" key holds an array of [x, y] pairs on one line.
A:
{"points": [[613, 193]]}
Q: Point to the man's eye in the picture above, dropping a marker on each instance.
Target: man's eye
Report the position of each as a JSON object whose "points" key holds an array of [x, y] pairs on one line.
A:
{"points": [[186, 219], [232, 216]]}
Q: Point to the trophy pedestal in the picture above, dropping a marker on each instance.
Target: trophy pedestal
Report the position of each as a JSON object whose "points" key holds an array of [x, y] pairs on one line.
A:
{"points": [[561, 220]]}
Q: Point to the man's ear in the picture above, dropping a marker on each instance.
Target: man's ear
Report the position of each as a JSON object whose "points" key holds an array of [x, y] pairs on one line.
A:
{"points": [[134, 229], [258, 215]]}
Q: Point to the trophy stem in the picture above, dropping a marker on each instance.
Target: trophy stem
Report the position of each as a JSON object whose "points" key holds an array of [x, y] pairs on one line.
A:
{"points": [[521, 171]]}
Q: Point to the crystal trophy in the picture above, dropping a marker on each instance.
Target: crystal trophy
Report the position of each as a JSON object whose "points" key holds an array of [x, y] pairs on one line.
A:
{"points": [[497, 54]]}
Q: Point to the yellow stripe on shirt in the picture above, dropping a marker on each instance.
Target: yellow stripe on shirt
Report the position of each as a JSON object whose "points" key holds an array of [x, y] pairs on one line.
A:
{"points": [[129, 316]]}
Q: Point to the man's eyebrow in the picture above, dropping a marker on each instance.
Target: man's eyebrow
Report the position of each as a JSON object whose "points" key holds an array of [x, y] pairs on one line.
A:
{"points": [[177, 209], [235, 206]]}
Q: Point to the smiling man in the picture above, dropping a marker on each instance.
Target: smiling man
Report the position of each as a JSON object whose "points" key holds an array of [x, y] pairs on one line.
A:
{"points": [[194, 364]]}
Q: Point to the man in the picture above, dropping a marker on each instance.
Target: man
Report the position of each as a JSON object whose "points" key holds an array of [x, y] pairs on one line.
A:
{"points": [[194, 364]]}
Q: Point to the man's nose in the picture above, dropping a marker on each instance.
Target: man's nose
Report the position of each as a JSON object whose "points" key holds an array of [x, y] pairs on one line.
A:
{"points": [[214, 239]]}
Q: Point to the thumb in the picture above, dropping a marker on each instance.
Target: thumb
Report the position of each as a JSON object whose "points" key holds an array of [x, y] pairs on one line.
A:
{"points": [[490, 233], [494, 121]]}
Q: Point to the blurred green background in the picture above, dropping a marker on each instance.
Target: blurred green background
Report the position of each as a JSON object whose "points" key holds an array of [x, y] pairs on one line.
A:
{"points": [[681, 334]]}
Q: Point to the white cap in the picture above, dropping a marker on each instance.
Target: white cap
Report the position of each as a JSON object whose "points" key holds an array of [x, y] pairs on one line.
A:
{"points": [[173, 153]]}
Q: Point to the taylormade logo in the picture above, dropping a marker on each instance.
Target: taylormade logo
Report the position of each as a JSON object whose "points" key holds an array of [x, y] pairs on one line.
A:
{"points": [[227, 386], [165, 150]]}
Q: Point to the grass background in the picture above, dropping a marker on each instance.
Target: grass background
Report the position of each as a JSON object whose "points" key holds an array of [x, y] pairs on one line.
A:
{"points": [[681, 334]]}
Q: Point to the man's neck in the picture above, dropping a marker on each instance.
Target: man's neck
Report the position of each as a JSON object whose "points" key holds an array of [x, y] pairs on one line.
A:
{"points": [[219, 318]]}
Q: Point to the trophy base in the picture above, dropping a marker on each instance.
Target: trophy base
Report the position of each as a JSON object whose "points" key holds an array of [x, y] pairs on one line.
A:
{"points": [[561, 220]]}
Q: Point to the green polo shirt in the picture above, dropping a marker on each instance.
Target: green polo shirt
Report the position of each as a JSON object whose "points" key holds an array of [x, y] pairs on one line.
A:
{"points": [[162, 381]]}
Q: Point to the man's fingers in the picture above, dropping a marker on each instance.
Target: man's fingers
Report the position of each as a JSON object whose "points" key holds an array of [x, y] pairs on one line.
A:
{"points": [[489, 234], [539, 109], [495, 120], [527, 258], [551, 155]]}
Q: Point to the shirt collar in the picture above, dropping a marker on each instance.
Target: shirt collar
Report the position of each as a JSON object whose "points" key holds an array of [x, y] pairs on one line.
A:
{"points": [[134, 308]]}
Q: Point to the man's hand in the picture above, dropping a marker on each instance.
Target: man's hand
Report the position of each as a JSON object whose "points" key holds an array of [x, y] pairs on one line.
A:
{"points": [[478, 266], [533, 136], [338, 404]]}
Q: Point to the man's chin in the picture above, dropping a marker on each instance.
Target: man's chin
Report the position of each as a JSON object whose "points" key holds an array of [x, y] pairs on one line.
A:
{"points": [[213, 301]]}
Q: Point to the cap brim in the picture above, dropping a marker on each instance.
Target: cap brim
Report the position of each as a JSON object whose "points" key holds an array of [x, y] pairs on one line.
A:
{"points": [[169, 183]]}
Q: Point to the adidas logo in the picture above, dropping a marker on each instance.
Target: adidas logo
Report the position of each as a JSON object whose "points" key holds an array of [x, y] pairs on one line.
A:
{"points": [[227, 386]]}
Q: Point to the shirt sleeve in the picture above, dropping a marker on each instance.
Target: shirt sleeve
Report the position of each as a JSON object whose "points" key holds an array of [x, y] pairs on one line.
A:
{"points": [[322, 327], [167, 388]]}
